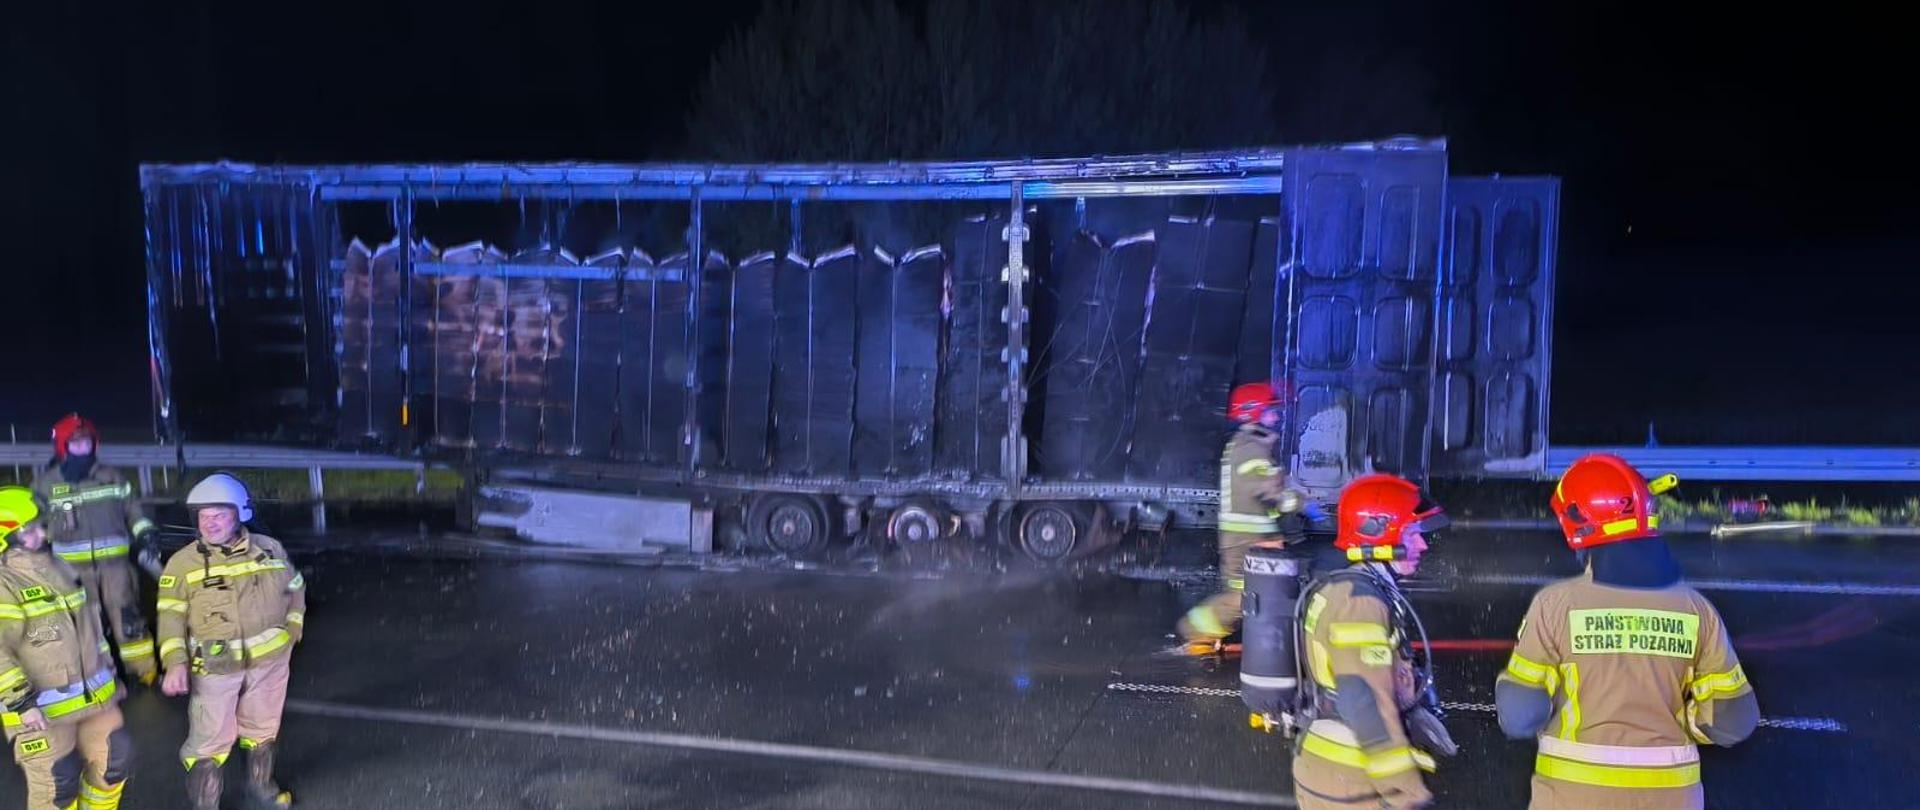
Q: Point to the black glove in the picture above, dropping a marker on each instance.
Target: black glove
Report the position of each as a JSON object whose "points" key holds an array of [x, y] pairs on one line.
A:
{"points": [[1427, 733], [148, 556], [1293, 528]]}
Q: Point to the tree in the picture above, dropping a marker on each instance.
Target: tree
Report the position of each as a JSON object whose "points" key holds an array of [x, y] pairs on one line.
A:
{"points": [[885, 80]]}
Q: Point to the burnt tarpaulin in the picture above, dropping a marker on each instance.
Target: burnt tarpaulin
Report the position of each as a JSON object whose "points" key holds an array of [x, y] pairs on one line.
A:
{"points": [[712, 328], [1198, 298], [466, 313], [1260, 333], [749, 373], [815, 309], [973, 372], [897, 361], [653, 356], [583, 370], [1090, 366], [369, 347], [538, 313]]}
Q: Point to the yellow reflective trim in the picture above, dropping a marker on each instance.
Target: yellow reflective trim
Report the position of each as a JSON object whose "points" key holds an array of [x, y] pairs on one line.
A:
{"points": [[102, 553], [1322, 665], [171, 605], [296, 617], [12, 612], [1617, 776], [1721, 683], [69, 603], [81, 702], [1358, 634], [168, 580], [1526, 671], [1236, 584], [139, 649], [1388, 763], [297, 582], [1259, 466], [1570, 710], [141, 525], [1334, 752], [12, 678], [218, 759], [171, 646], [1314, 606], [280, 638], [235, 570]]}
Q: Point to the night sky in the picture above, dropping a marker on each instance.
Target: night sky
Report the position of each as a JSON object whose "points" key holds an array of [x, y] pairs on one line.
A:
{"points": [[1739, 256]]}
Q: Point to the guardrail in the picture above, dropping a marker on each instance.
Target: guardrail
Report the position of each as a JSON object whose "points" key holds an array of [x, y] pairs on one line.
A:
{"points": [[149, 457]]}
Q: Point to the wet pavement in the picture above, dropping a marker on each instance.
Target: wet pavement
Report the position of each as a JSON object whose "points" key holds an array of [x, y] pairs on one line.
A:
{"points": [[462, 683]]}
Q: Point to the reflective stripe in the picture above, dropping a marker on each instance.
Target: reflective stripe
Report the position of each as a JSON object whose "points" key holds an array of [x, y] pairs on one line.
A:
{"points": [[235, 570], [1640, 756], [1258, 466], [171, 605], [266, 643], [1314, 607], [1358, 634], [139, 649], [41, 607], [218, 759], [171, 646], [1615, 775], [1322, 665], [1630, 524], [1335, 743], [1570, 710], [95, 553], [141, 526], [66, 700], [1236, 584], [12, 679], [297, 582], [1269, 682], [296, 617], [89, 495], [1248, 524], [1720, 683], [1526, 671]]}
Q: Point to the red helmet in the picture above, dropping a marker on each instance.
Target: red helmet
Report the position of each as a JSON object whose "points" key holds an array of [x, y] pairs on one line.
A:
{"points": [[1249, 401], [1376, 511], [69, 426], [1602, 499]]}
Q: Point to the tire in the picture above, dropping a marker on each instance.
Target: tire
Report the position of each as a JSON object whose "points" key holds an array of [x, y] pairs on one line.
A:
{"points": [[797, 526]]}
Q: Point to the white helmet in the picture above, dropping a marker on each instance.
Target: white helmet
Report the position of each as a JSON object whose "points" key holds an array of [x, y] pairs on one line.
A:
{"points": [[221, 489]]}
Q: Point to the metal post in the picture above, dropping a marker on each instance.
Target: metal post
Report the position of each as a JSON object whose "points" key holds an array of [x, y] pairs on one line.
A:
{"points": [[317, 482], [403, 217], [146, 481], [696, 261], [1013, 450], [13, 437]]}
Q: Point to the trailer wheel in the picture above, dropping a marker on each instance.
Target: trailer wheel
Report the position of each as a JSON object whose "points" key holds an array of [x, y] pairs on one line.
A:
{"points": [[794, 525], [1049, 533], [916, 523]]}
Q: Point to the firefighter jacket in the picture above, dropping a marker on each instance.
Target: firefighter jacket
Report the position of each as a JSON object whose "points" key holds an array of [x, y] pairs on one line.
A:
{"points": [[1250, 483], [225, 609], [1362, 682], [53, 654], [1636, 677], [93, 519]]}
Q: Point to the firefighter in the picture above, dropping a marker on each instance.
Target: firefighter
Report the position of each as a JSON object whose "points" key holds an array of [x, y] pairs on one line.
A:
{"points": [[57, 683], [95, 523], [1620, 671], [1254, 503], [232, 607], [1372, 719]]}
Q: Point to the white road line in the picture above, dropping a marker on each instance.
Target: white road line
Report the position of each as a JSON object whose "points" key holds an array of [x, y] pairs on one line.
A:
{"points": [[804, 753], [1820, 724], [1747, 585]]}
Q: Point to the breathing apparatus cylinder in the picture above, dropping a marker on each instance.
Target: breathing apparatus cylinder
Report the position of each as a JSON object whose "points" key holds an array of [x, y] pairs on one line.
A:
{"points": [[1269, 683]]}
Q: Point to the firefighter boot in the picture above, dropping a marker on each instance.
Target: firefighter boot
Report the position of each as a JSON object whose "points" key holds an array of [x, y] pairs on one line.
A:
{"points": [[262, 793], [203, 785], [95, 798]]}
